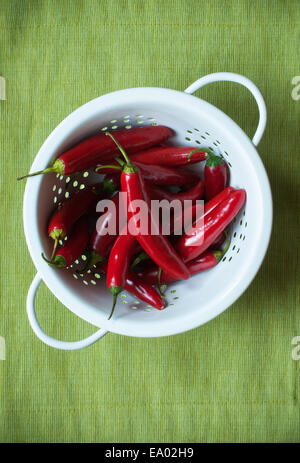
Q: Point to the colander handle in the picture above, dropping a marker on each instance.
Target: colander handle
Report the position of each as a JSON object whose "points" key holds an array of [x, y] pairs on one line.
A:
{"points": [[239, 79], [64, 345]]}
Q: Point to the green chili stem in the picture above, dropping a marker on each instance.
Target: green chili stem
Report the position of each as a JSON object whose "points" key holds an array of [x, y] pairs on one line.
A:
{"points": [[115, 296], [57, 167], [54, 248], [120, 161], [159, 282], [108, 167], [115, 290], [46, 260], [40, 172], [142, 256], [128, 162], [227, 242]]}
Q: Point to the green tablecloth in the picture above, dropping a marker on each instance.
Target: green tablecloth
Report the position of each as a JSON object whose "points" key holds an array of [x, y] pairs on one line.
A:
{"points": [[234, 379]]}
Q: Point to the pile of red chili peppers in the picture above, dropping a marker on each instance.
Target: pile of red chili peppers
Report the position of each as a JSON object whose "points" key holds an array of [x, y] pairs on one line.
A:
{"points": [[138, 162]]}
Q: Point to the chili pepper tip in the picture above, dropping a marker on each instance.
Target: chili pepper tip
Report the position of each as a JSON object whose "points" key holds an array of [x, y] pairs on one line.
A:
{"points": [[205, 150], [193, 152]]}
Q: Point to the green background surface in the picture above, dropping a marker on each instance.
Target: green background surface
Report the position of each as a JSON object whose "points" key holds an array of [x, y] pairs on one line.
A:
{"points": [[231, 380]]}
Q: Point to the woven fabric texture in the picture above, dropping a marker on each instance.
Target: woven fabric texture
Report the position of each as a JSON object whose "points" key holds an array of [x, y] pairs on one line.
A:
{"points": [[231, 380]]}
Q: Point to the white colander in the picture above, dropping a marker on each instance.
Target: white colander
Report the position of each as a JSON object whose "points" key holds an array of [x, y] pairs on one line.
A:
{"points": [[203, 296]]}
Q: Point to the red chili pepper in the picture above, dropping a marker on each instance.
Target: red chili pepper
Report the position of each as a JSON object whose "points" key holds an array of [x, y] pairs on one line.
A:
{"points": [[196, 192], [69, 212], [208, 259], [196, 211], [104, 234], [164, 175], [143, 291], [215, 175], [204, 232], [74, 246], [118, 264], [157, 175], [138, 288], [152, 241], [101, 241], [94, 150], [185, 219], [156, 245], [216, 200], [170, 156], [218, 242], [187, 214]]}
